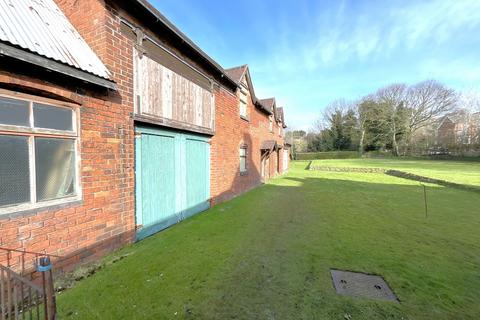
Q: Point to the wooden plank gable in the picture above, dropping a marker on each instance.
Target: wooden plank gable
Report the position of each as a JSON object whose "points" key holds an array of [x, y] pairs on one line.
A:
{"points": [[170, 98]]}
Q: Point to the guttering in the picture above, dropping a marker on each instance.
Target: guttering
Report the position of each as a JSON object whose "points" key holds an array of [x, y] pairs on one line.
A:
{"points": [[161, 18], [164, 48], [20, 54]]}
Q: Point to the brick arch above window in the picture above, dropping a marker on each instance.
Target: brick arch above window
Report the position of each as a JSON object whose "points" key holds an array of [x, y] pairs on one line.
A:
{"points": [[39, 89]]}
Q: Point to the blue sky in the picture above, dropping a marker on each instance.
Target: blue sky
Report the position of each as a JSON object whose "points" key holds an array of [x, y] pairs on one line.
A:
{"points": [[308, 53]]}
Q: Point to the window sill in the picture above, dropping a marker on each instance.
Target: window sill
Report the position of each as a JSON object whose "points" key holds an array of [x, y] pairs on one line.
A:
{"points": [[245, 118], [52, 205], [244, 173]]}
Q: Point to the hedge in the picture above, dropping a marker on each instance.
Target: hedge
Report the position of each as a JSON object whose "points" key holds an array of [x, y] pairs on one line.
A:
{"points": [[327, 155]]}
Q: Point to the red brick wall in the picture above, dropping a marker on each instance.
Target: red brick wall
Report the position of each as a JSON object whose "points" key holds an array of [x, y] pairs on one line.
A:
{"points": [[103, 220], [231, 132], [261, 130], [446, 133]]}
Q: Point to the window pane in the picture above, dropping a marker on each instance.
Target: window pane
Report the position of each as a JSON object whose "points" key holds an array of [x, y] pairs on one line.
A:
{"points": [[14, 112], [243, 152], [55, 168], [14, 170], [243, 167], [243, 109], [50, 117]]}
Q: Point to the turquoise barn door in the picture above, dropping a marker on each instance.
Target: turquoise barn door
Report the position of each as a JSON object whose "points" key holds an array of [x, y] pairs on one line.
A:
{"points": [[172, 178], [197, 154]]}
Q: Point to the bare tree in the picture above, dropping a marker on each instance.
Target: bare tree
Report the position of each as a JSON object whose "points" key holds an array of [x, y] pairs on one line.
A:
{"points": [[341, 106], [470, 100], [393, 98], [469, 104], [426, 102]]}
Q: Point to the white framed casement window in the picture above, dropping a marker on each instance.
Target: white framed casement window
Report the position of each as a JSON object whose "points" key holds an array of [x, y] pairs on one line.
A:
{"points": [[243, 159], [271, 123], [243, 104], [39, 158]]}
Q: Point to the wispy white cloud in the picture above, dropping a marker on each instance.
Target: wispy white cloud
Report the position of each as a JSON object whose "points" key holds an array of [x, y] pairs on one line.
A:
{"points": [[458, 71], [435, 21], [342, 38], [365, 35]]}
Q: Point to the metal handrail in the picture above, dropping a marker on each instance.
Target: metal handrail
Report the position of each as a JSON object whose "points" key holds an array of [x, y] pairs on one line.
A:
{"points": [[21, 279], [20, 298], [24, 253], [29, 252]]}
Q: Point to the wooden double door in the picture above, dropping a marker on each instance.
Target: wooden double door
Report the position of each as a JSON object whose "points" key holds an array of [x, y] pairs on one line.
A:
{"points": [[172, 178]]}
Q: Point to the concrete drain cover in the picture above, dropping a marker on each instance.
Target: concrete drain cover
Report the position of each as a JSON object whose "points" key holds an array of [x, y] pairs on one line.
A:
{"points": [[361, 285]]}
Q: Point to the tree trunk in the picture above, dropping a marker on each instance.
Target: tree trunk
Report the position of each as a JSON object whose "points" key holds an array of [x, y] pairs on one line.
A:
{"points": [[360, 145], [394, 137], [395, 144]]}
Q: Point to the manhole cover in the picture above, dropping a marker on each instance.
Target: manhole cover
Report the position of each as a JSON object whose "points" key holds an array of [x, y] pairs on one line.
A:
{"points": [[357, 284]]}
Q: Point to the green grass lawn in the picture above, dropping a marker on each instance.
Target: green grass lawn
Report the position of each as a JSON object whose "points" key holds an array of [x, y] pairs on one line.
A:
{"points": [[267, 254], [461, 172]]}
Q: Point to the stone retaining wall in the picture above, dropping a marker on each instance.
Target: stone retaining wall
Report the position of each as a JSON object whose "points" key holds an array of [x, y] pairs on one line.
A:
{"points": [[398, 174]]}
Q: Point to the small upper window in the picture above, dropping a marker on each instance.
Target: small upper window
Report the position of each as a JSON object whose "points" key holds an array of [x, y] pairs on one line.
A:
{"points": [[243, 104], [243, 159], [50, 117], [14, 112], [271, 124]]}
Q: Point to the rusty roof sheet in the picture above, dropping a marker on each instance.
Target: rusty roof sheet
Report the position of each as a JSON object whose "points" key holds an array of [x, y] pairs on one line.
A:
{"points": [[40, 27]]}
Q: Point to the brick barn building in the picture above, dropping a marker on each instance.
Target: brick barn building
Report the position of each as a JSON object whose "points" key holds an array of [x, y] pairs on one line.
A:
{"points": [[114, 125]]}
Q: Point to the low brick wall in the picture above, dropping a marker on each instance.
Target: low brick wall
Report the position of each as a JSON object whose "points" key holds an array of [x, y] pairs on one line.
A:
{"points": [[411, 176], [396, 173], [346, 169]]}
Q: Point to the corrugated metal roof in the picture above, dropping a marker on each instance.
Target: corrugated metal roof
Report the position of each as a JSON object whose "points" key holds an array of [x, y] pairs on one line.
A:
{"points": [[39, 26]]}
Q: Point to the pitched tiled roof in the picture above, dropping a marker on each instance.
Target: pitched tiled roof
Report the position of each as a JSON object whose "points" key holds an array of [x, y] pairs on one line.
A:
{"points": [[268, 104], [237, 73], [268, 145], [280, 114], [40, 27]]}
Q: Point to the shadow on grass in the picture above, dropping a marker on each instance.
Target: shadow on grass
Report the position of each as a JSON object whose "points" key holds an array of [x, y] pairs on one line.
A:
{"points": [[266, 254]]}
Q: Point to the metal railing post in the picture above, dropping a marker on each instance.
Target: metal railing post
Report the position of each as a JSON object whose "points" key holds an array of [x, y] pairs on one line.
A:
{"points": [[45, 268]]}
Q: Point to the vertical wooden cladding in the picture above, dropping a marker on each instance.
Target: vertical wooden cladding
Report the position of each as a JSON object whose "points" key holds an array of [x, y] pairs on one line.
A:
{"points": [[166, 95]]}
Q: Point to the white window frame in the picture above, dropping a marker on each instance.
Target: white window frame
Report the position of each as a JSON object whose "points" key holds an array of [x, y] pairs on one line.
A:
{"points": [[243, 147], [243, 103], [271, 123], [31, 132]]}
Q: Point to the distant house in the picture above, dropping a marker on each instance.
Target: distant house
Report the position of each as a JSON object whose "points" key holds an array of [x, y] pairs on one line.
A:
{"points": [[114, 125], [460, 128]]}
